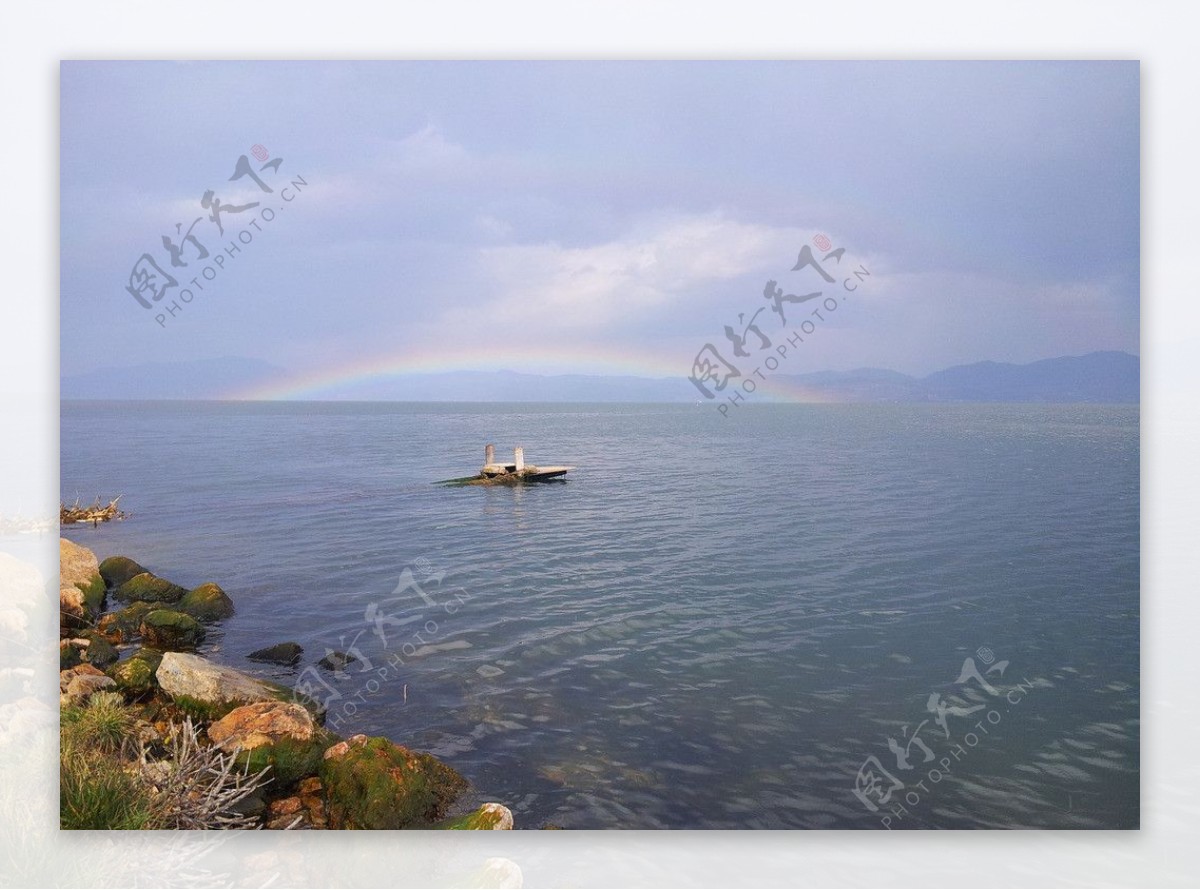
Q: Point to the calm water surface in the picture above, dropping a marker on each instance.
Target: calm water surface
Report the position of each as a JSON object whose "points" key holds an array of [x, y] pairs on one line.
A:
{"points": [[713, 624]]}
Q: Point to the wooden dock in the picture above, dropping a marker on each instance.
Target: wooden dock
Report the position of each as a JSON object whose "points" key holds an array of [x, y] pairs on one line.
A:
{"points": [[515, 473]]}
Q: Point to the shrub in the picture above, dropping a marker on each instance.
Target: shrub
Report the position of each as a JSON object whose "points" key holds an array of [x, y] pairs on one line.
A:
{"points": [[108, 781], [199, 787]]}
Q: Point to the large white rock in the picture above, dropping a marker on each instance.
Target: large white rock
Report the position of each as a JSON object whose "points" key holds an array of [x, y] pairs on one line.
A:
{"points": [[190, 675]]}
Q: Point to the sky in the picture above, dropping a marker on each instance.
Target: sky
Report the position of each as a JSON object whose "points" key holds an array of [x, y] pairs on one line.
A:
{"points": [[597, 217]]}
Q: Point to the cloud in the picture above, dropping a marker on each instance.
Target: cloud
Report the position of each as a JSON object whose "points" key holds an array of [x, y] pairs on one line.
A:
{"points": [[427, 152], [653, 266]]}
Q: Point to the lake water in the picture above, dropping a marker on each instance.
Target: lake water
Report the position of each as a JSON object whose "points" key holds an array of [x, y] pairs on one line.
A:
{"points": [[714, 623]]}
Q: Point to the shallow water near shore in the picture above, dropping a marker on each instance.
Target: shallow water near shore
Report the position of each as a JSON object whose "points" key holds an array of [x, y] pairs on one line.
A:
{"points": [[713, 623]]}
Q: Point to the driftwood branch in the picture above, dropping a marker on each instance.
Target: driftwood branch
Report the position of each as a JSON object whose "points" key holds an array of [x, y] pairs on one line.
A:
{"points": [[94, 514]]}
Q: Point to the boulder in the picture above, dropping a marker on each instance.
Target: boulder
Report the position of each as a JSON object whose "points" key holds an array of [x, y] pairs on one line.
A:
{"points": [[208, 602], [83, 686], [342, 748], [136, 675], [66, 676], [149, 588], [70, 653], [77, 565], [171, 631], [99, 652], [211, 691], [125, 625], [312, 796], [116, 570], [280, 653], [78, 569], [375, 784], [71, 612], [262, 723], [276, 734], [489, 817]]}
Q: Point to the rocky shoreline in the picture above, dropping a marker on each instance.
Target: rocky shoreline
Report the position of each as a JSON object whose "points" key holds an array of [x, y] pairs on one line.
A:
{"points": [[186, 743]]}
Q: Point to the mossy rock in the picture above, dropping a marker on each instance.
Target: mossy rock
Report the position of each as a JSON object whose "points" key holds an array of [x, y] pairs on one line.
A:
{"points": [[171, 631], [125, 625], [149, 588], [116, 570], [208, 602], [489, 817], [135, 676], [290, 760], [94, 595], [378, 785], [69, 655], [100, 652], [203, 711]]}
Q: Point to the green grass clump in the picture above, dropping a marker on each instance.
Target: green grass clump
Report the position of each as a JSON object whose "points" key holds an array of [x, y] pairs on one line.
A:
{"points": [[106, 779], [99, 787], [106, 723], [202, 711]]}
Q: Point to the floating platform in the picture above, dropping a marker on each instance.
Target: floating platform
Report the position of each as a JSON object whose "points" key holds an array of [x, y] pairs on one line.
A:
{"points": [[516, 473]]}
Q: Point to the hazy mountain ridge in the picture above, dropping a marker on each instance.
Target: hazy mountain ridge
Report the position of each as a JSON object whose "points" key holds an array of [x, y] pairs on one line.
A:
{"points": [[1096, 377]]}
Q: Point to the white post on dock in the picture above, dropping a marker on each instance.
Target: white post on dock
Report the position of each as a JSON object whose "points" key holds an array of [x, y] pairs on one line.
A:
{"points": [[519, 458], [489, 455]]}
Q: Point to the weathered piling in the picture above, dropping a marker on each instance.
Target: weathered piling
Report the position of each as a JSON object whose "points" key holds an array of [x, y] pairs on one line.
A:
{"points": [[515, 473]]}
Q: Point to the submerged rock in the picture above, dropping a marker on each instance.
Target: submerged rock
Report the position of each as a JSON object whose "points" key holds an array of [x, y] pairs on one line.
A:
{"points": [[372, 783], [116, 570], [149, 588], [125, 625], [489, 817], [170, 630], [135, 676], [336, 661], [212, 691], [208, 602], [280, 653]]}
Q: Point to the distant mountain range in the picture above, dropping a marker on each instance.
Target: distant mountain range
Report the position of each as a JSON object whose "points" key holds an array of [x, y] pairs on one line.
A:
{"points": [[1110, 377]]}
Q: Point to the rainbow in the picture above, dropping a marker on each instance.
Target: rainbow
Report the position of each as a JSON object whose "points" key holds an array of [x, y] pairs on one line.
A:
{"points": [[326, 383]]}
